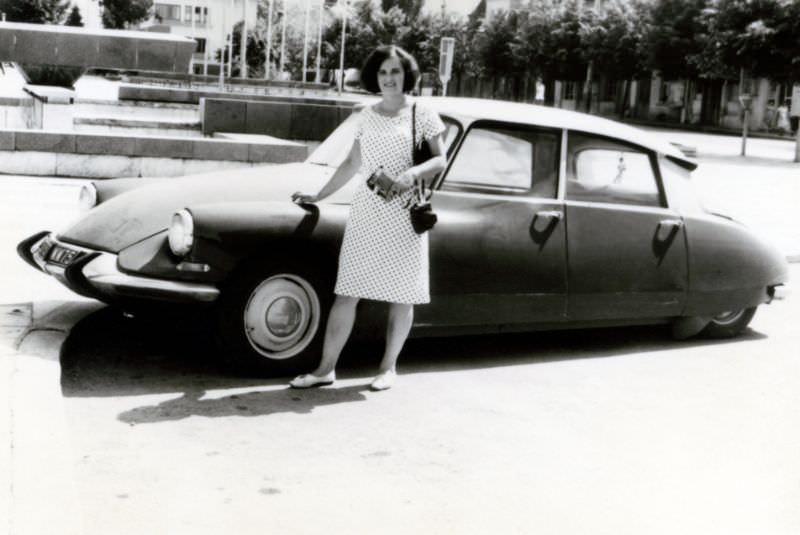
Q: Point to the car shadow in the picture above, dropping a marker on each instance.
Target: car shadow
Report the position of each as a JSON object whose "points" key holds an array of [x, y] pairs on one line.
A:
{"points": [[109, 354]]}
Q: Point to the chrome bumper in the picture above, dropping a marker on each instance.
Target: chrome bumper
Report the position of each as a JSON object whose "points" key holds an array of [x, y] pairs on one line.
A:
{"points": [[96, 273]]}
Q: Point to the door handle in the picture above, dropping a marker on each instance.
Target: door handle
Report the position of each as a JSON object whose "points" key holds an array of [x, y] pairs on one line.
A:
{"points": [[540, 233], [550, 215], [672, 224], [667, 229]]}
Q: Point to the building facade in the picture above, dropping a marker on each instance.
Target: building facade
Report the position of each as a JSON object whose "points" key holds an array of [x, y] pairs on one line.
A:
{"points": [[209, 22]]}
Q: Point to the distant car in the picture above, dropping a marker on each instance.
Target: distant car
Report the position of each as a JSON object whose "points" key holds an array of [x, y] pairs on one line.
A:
{"points": [[548, 219]]}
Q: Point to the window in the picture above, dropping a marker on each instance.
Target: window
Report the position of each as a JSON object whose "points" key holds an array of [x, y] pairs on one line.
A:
{"points": [[569, 90], [168, 11], [187, 13], [601, 170], [609, 91], [507, 160]]}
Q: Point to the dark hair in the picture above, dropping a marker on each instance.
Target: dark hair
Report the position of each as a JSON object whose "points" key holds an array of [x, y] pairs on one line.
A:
{"points": [[369, 72]]}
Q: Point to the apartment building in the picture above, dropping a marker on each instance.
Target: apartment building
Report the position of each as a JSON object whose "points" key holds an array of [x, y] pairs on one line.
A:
{"points": [[209, 22]]}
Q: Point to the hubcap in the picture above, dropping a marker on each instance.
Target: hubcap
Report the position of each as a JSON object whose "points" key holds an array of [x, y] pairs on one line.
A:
{"points": [[282, 316], [726, 318]]}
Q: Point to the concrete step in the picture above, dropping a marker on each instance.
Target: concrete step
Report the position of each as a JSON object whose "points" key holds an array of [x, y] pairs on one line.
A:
{"points": [[139, 110], [124, 125]]}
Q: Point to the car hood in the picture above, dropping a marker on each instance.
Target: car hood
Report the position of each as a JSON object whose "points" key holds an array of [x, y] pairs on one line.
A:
{"points": [[137, 214]]}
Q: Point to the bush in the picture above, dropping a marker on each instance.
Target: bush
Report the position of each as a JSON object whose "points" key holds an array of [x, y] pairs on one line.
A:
{"points": [[52, 75]]}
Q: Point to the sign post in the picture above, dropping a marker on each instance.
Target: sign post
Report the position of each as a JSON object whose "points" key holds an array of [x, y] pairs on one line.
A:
{"points": [[447, 50], [795, 112], [746, 101]]}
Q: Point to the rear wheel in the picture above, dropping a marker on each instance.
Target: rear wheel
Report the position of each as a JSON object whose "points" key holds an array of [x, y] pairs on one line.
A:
{"points": [[730, 323], [270, 319]]}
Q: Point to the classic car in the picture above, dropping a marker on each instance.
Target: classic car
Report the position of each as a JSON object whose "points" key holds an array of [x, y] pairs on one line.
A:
{"points": [[548, 219]]}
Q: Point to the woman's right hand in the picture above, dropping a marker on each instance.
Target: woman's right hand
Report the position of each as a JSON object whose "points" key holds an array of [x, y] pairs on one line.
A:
{"points": [[304, 198]]}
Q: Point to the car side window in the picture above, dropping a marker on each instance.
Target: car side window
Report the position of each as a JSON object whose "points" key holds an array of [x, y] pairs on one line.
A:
{"points": [[602, 170], [505, 159]]}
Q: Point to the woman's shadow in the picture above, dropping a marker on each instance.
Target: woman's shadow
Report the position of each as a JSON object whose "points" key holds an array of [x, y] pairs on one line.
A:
{"points": [[109, 354]]}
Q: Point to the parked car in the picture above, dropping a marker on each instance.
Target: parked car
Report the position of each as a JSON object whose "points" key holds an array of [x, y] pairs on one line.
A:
{"points": [[548, 219]]}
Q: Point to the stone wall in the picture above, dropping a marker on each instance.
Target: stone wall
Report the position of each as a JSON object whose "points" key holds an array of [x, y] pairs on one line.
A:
{"points": [[288, 119], [106, 156]]}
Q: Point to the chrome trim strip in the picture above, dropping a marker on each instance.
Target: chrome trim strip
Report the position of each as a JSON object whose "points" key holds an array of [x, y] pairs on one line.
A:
{"points": [[103, 274], [628, 207], [562, 168]]}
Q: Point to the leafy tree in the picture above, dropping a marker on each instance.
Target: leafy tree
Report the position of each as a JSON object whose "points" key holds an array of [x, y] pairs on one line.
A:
{"points": [[787, 43], [255, 53], [36, 11], [616, 38], [74, 18], [411, 8], [363, 29], [121, 14], [672, 36], [496, 43]]}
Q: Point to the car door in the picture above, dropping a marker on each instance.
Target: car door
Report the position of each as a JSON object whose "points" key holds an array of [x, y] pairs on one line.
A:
{"points": [[498, 252], [626, 248]]}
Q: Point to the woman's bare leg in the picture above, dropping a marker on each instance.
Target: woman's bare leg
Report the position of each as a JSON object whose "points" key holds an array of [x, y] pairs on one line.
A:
{"points": [[401, 316], [337, 331]]}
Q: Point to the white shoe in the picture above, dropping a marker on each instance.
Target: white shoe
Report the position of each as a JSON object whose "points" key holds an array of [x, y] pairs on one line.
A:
{"points": [[384, 381], [308, 380]]}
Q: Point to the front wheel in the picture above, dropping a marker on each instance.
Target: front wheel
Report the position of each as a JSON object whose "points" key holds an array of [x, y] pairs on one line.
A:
{"points": [[270, 319], [730, 323]]}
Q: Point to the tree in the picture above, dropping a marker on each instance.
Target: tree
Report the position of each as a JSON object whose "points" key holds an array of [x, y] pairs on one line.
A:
{"points": [[122, 14], [35, 11], [495, 45], [411, 8], [611, 43], [74, 18], [255, 52], [672, 36]]}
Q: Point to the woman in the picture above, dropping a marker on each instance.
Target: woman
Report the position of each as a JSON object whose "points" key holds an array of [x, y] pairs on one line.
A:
{"points": [[382, 258]]}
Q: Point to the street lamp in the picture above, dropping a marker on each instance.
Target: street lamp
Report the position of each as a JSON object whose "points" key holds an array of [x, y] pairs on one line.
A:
{"points": [[269, 41], [305, 39]]}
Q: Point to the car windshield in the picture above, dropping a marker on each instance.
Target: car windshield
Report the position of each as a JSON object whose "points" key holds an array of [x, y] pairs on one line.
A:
{"points": [[336, 146]]}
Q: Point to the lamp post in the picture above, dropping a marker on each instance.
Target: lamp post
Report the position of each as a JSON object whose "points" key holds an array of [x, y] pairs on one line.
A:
{"points": [[745, 101], [319, 39], [305, 40], [341, 53], [243, 44], [230, 42], [283, 40], [268, 48]]}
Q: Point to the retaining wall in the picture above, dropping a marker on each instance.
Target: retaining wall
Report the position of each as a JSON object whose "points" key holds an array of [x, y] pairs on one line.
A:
{"points": [[105, 156], [287, 119], [193, 96]]}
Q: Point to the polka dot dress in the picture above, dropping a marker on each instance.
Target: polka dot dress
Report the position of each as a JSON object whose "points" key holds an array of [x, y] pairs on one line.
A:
{"points": [[382, 258]]}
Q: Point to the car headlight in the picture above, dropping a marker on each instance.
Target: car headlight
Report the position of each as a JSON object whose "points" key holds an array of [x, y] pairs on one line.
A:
{"points": [[87, 198], [181, 233]]}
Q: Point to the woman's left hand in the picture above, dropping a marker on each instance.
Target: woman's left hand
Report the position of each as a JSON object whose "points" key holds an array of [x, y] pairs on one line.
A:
{"points": [[403, 183]]}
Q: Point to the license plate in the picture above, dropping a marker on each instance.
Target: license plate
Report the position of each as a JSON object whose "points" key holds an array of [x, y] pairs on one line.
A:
{"points": [[62, 255]]}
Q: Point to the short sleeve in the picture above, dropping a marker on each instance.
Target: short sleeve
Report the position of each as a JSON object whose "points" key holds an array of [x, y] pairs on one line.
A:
{"points": [[359, 124], [429, 122]]}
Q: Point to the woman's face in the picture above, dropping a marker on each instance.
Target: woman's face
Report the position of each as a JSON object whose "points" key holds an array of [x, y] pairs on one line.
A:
{"points": [[390, 77]]}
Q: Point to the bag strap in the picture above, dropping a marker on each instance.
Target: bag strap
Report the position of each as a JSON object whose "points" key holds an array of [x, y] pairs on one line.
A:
{"points": [[423, 194], [413, 128]]}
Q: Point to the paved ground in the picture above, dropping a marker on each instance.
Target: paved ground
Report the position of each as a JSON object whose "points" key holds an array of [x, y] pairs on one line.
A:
{"points": [[117, 426]]}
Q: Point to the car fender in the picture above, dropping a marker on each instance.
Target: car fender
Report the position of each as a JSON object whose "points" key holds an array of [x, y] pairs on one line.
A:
{"points": [[226, 235], [730, 267]]}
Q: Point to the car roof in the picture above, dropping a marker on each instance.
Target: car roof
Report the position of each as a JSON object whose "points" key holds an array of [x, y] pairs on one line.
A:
{"points": [[517, 112]]}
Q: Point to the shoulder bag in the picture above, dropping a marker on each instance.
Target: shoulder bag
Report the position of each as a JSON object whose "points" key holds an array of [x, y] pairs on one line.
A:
{"points": [[423, 218]]}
